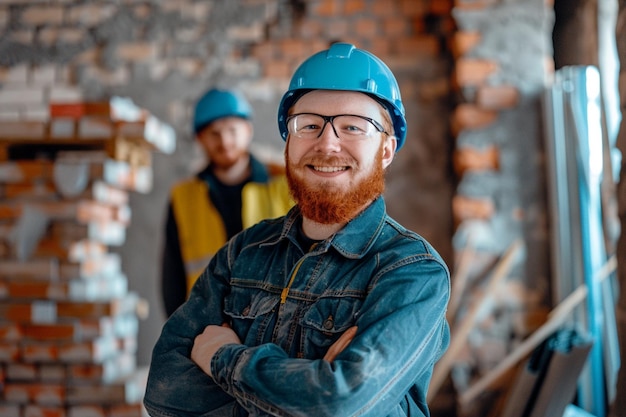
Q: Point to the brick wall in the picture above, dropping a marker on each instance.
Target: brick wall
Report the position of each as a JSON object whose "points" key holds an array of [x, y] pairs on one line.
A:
{"points": [[503, 62], [162, 54], [470, 177]]}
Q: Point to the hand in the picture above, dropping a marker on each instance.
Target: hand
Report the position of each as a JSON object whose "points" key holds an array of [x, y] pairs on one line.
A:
{"points": [[341, 343], [207, 343]]}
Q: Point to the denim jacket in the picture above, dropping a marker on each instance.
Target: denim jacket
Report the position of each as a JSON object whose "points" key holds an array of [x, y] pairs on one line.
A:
{"points": [[288, 305]]}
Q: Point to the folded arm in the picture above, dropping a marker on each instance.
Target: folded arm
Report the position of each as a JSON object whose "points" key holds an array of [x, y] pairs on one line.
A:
{"points": [[393, 351], [401, 334]]}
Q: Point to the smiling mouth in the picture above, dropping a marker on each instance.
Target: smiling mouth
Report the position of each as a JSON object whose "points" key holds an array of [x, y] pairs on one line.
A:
{"points": [[328, 169]]}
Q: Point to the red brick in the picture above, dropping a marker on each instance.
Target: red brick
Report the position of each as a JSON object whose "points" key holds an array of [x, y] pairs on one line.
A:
{"points": [[52, 372], [497, 97], [29, 190], [418, 25], [413, 7], [24, 171], [12, 270], [421, 45], [24, 311], [43, 15], [293, 49], [21, 372], [9, 332], [338, 29], [465, 208], [72, 110], [326, 8], [441, 7], [354, 6], [393, 28], [435, 89], [9, 352], [41, 352], [471, 159], [366, 27], [98, 108], [464, 41], [43, 394], [383, 9], [127, 410], [469, 116], [277, 69], [96, 309], [381, 46], [265, 51], [473, 72], [308, 29], [55, 331], [473, 4]]}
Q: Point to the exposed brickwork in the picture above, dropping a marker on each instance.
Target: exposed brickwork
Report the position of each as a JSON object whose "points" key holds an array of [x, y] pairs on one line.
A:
{"points": [[464, 41], [472, 72], [497, 97], [163, 53], [500, 79]]}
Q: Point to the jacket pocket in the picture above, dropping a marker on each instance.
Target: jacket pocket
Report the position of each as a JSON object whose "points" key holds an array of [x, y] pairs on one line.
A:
{"points": [[326, 320], [249, 311]]}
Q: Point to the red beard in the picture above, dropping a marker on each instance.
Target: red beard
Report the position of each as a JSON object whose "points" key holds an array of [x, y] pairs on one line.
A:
{"points": [[326, 205]]}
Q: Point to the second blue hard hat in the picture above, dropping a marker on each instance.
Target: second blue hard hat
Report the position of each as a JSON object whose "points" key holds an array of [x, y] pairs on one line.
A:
{"points": [[218, 103], [344, 67]]}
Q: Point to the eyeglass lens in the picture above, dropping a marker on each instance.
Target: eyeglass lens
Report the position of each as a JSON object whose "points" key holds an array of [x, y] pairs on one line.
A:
{"points": [[345, 127]]}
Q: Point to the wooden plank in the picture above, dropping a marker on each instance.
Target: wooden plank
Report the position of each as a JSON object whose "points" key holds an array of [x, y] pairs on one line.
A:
{"points": [[460, 333], [556, 319]]}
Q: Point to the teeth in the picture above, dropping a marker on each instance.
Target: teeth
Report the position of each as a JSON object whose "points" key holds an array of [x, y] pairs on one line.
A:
{"points": [[329, 169]]}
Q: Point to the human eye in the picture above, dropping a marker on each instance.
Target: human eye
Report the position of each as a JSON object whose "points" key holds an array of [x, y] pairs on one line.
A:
{"points": [[308, 123], [352, 125]]}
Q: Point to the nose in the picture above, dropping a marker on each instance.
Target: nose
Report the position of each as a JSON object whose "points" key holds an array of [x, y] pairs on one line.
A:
{"points": [[328, 140], [328, 121], [224, 138]]}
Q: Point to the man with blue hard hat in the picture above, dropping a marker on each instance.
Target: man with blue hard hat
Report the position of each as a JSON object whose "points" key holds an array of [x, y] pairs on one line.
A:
{"points": [[334, 309], [234, 191]]}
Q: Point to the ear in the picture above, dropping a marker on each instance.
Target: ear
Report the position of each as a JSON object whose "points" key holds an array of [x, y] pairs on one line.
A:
{"points": [[389, 150]]}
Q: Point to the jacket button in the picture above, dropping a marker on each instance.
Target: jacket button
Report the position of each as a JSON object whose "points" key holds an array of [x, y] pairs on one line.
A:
{"points": [[329, 323], [246, 311]]}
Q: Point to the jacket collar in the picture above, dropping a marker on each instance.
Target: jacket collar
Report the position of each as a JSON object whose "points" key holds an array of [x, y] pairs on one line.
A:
{"points": [[354, 239]]}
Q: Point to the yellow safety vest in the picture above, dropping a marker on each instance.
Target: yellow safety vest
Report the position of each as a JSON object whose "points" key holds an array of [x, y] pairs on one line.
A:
{"points": [[201, 230]]}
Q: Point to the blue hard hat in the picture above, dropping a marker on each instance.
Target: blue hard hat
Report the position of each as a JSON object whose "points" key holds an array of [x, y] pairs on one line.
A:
{"points": [[217, 103], [345, 67]]}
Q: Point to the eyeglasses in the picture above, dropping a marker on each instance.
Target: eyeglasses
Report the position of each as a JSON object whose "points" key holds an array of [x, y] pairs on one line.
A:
{"points": [[347, 127]]}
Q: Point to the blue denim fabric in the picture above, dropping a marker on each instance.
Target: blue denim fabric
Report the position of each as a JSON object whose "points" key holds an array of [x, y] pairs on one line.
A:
{"points": [[373, 274]]}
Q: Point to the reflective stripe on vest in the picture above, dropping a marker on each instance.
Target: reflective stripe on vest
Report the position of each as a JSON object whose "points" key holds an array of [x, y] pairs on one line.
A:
{"points": [[201, 230]]}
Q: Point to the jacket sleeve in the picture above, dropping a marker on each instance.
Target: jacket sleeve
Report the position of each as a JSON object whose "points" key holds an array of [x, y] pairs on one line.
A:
{"points": [[402, 332], [173, 277], [176, 386]]}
